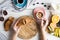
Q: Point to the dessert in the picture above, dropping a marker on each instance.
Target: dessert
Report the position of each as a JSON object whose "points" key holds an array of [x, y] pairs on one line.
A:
{"points": [[28, 27], [8, 23]]}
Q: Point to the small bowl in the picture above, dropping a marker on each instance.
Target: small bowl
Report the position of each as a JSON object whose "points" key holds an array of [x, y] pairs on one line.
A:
{"points": [[20, 6]]}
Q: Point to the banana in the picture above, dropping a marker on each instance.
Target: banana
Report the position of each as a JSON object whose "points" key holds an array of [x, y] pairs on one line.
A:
{"points": [[56, 32], [59, 32]]}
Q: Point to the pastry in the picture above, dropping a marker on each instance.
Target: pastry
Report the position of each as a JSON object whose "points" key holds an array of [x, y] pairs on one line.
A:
{"points": [[28, 27], [8, 23]]}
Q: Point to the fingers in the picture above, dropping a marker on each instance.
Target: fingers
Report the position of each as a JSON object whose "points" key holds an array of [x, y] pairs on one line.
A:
{"points": [[44, 23]]}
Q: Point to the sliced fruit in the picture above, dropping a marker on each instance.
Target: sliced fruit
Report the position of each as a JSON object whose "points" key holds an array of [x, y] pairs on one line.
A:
{"points": [[56, 32], [50, 29], [53, 26], [59, 32], [55, 18]]}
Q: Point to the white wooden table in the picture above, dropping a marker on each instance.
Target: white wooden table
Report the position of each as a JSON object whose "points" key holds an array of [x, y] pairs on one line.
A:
{"points": [[28, 11]]}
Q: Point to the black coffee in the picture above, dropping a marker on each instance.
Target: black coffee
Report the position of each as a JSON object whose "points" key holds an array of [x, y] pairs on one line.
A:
{"points": [[20, 1]]}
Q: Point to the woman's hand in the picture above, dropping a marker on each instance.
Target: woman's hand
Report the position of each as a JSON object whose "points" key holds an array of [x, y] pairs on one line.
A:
{"points": [[44, 24], [15, 33]]}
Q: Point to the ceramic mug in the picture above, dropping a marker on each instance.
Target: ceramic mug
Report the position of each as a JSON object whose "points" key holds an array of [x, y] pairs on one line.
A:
{"points": [[21, 4]]}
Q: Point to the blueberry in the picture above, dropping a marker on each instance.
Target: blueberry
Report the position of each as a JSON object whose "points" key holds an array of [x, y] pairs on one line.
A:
{"points": [[1, 18], [5, 12], [37, 3], [49, 6], [44, 5], [33, 4]]}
